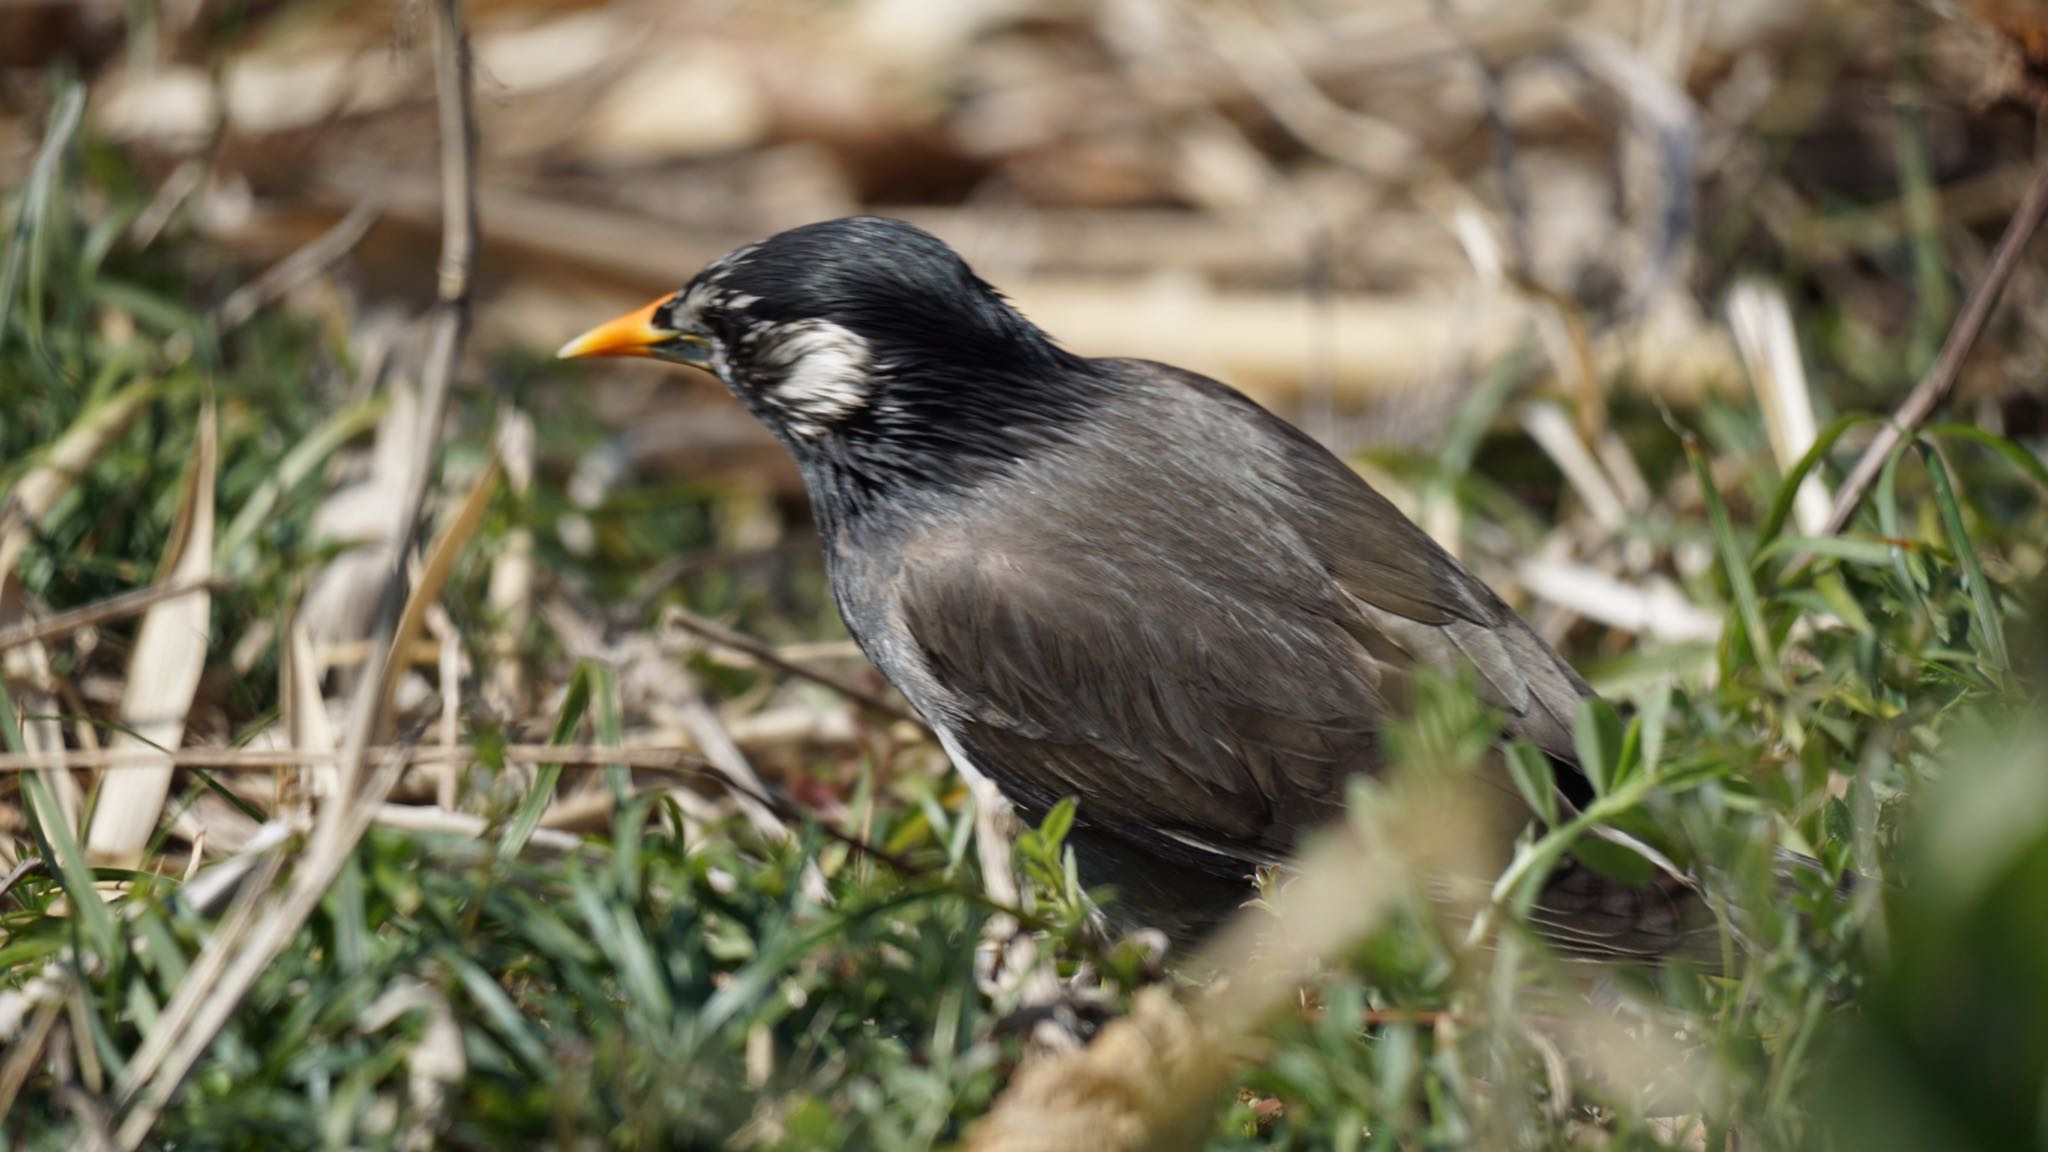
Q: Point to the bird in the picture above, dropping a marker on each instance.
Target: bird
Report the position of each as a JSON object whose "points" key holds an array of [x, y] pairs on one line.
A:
{"points": [[1114, 579]]}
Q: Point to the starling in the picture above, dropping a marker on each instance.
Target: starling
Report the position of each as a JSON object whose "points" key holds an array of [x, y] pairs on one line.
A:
{"points": [[1113, 579]]}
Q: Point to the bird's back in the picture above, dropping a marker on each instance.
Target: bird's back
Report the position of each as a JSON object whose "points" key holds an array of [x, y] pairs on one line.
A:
{"points": [[1193, 619]]}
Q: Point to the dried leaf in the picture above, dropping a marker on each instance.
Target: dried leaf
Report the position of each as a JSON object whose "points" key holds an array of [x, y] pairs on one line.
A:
{"points": [[163, 675]]}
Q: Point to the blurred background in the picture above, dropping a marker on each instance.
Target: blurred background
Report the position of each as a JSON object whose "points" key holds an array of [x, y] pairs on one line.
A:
{"points": [[1578, 284], [1352, 210]]}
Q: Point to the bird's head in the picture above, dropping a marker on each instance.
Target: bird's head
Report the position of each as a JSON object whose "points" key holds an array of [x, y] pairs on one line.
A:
{"points": [[834, 324]]}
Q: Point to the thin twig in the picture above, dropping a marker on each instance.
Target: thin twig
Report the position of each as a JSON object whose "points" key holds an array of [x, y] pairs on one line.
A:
{"points": [[28, 866], [654, 759], [265, 759], [112, 608], [301, 266], [1941, 378], [720, 636]]}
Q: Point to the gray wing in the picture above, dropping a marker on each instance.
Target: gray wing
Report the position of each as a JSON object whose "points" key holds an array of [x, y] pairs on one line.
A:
{"points": [[1205, 702]]}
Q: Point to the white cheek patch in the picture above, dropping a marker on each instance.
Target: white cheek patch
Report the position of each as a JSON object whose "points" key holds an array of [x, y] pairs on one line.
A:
{"points": [[815, 372]]}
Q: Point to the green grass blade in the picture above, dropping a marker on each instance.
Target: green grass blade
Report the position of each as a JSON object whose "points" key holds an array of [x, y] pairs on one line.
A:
{"points": [[2016, 454], [1846, 548], [1983, 597], [36, 201], [608, 721], [617, 932], [1747, 606], [1788, 488], [58, 845], [500, 1014], [575, 702]]}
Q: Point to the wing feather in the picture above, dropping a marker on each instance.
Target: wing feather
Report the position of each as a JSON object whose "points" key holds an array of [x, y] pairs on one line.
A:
{"points": [[1203, 673]]}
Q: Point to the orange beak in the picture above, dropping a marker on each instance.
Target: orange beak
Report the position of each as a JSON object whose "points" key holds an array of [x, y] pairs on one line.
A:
{"points": [[634, 334]]}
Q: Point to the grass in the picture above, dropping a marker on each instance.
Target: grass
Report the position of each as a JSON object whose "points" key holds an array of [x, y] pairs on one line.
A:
{"points": [[660, 979]]}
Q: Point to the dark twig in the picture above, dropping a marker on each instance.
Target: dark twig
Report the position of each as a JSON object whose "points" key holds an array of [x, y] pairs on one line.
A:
{"points": [[1941, 378], [218, 759], [720, 636], [270, 759], [113, 608], [297, 268], [20, 872], [444, 357]]}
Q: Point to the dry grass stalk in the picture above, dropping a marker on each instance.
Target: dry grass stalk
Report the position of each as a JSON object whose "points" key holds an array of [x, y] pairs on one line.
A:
{"points": [[251, 895], [27, 669], [163, 673], [297, 269], [1271, 74], [1264, 341], [202, 1007], [440, 564], [305, 711], [684, 700], [341, 821], [127, 604], [1762, 323], [1654, 607], [654, 758], [720, 636], [1554, 432], [449, 670], [510, 594], [1948, 365], [45, 997], [413, 818]]}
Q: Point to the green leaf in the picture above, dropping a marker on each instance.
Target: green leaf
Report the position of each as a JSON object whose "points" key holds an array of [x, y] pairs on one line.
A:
{"points": [[2017, 454], [1057, 823], [1534, 779], [1835, 593], [1598, 738], [1733, 560], [1983, 597], [617, 932], [1855, 550], [57, 844], [1886, 497], [1839, 825], [54, 839], [1614, 861], [1652, 716], [1788, 488]]}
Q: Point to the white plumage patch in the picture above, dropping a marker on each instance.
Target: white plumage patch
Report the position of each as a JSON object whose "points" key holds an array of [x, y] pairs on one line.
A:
{"points": [[815, 372], [707, 293]]}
